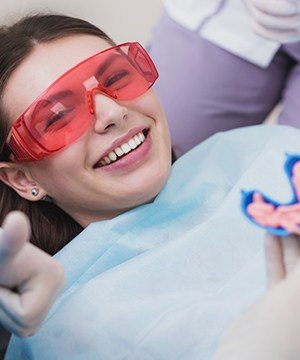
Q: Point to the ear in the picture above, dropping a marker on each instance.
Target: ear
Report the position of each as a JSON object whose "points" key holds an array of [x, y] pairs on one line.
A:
{"points": [[12, 175]]}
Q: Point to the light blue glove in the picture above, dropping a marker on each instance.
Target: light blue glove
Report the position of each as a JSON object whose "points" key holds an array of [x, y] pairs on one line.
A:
{"points": [[277, 20]]}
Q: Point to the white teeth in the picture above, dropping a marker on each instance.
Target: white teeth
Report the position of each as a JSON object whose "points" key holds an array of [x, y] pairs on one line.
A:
{"points": [[137, 139], [132, 144], [107, 160], [119, 151], [112, 156], [141, 136], [125, 148]]}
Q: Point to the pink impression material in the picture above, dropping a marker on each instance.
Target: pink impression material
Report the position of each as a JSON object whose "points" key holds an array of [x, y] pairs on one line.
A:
{"points": [[284, 216]]}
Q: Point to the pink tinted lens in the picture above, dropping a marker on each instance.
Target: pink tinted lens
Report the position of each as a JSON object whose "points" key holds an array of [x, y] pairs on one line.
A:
{"points": [[61, 118], [130, 73], [61, 114]]}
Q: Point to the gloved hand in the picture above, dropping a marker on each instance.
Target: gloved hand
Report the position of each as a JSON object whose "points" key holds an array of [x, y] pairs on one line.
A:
{"points": [[277, 20], [269, 330], [30, 279]]}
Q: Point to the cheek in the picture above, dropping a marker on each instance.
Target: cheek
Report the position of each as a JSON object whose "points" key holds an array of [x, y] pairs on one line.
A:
{"points": [[157, 113], [148, 104], [60, 168]]}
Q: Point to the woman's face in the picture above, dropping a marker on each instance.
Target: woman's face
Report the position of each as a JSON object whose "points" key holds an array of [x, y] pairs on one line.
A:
{"points": [[72, 177]]}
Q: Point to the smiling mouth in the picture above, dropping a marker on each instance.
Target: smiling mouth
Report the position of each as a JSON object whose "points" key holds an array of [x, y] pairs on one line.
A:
{"points": [[121, 151]]}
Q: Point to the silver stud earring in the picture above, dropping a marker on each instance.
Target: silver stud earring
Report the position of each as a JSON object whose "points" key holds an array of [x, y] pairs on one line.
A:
{"points": [[34, 191]]}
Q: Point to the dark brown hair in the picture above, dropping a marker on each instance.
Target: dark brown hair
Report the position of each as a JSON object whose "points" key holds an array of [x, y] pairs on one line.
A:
{"points": [[52, 228]]}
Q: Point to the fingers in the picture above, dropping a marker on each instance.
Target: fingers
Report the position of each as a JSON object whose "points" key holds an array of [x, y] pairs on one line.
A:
{"points": [[9, 319], [37, 277], [277, 20], [282, 36], [22, 312], [282, 256], [38, 294], [276, 7], [13, 236], [291, 252], [275, 270], [270, 21]]}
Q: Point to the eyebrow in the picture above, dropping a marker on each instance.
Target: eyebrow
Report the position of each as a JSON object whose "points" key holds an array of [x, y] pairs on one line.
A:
{"points": [[101, 69], [106, 64], [59, 95]]}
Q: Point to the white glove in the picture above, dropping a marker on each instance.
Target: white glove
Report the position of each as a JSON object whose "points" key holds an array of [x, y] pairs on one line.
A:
{"points": [[277, 20], [270, 329], [34, 275]]}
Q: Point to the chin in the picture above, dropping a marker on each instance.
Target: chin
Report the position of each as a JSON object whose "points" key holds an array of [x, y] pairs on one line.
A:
{"points": [[146, 189]]}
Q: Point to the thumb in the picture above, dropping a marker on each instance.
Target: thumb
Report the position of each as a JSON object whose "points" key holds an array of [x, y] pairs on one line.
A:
{"points": [[14, 234]]}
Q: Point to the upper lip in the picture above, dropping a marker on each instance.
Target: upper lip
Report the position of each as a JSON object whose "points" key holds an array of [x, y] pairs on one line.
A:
{"points": [[121, 140]]}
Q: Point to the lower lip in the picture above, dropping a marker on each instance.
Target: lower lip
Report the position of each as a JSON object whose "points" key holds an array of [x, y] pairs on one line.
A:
{"points": [[132, 159]]}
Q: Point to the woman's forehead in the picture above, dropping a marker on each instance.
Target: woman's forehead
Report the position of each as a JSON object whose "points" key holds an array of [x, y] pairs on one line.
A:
{"points": [[44, 65]]}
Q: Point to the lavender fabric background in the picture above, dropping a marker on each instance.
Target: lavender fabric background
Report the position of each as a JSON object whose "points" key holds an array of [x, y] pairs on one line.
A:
{"points": [[205, 89]]}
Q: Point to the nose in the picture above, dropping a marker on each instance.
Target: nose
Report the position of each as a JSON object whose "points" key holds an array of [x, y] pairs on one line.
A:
{"points": [[108, 112]]}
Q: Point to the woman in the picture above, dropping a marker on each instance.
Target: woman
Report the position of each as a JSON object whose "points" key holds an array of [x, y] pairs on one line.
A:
{"points": [[75, 165]]}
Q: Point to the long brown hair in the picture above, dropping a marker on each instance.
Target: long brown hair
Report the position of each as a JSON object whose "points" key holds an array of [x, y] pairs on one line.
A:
{"points": [[52, 228]]}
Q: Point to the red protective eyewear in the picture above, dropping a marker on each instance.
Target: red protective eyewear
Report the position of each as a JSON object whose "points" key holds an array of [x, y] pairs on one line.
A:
{"points": [[65, 110]]}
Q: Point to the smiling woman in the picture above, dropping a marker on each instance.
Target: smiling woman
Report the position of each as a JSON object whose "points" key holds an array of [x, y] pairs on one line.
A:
{"points": [[52, 228], [59, 116], [81, 126], [52, 113], [88, 135], [74, 125]]}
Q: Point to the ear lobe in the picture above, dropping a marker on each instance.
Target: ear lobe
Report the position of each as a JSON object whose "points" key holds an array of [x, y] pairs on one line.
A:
{"points": [[14, 177]]}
